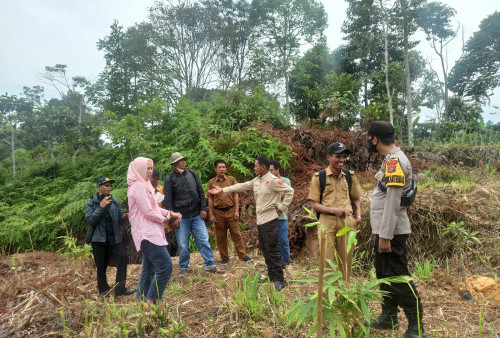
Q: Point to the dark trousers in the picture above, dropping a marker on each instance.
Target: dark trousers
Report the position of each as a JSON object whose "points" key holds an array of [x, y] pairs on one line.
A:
{"points": [[101, 255], [395, 264], [268, 242]]}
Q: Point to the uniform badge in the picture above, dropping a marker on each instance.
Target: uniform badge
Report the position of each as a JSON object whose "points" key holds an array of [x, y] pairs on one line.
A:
{"points": [[394, 173], [391, 165]]}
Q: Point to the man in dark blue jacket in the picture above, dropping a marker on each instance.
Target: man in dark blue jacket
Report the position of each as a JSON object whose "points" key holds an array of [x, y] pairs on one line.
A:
{"points": [[184, 194], [103, 213]]}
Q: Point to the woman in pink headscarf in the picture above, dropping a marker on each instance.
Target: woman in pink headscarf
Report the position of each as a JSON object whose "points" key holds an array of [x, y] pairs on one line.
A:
{"points": [[149, 222]]}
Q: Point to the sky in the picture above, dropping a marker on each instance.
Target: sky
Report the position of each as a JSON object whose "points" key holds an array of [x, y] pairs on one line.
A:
{"points": [[39, 33]]}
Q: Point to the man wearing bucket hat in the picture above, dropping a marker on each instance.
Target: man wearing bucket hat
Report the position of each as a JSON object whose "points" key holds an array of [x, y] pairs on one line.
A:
{"points": [[335, 193], [104, 213], [184, 194], [391, 226]]}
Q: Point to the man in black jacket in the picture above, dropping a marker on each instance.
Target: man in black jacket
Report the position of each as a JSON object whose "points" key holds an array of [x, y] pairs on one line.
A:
{"points": [[103, 213], [184, 194]]}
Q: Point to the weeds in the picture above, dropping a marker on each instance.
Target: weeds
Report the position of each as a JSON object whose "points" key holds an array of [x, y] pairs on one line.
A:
{"points": [[461, 234], [256, 302], [422, 271], [73, 251]]}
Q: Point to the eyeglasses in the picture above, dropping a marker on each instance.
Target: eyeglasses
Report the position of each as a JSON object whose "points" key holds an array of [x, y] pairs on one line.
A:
{"points": [[107, 185]]}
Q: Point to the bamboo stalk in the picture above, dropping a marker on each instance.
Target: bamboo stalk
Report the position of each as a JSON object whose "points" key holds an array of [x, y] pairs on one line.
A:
{"points": [[320, 279]]}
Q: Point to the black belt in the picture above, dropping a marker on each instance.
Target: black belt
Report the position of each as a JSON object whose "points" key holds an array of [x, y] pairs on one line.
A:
{"points": [[224, 209]]}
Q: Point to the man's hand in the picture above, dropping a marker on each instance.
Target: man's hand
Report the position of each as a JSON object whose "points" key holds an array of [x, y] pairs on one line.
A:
{"points": [[236, 215], [216, 190], [177, 215], [212, 218], [339, 212], [203, 214], [105, 202], [384, 245], [278, 210], [125, 215]]}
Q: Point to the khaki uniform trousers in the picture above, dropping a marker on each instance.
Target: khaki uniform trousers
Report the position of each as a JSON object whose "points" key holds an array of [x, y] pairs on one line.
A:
{"points": [[336, 247], [225, 221]]}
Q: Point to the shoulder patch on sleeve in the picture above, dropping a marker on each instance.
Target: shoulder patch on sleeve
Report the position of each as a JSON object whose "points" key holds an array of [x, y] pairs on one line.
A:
{"points": [[280, 182], [394, 173]]}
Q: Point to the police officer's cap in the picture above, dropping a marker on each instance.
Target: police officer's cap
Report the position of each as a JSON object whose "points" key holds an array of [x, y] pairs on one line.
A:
{"points": [[176, 157], [381, 129], [337, 148]]}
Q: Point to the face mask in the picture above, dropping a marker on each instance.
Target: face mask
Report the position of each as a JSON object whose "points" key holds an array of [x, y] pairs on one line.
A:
{"points": [[371, 148], [180, 170]]}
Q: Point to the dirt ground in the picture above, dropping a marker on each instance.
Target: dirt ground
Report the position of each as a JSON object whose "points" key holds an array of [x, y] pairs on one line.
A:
{"points": [[35, 287]]}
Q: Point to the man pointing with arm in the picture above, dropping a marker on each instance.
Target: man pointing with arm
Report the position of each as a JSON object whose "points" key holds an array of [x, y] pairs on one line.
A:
{"points": [[267, 189]]}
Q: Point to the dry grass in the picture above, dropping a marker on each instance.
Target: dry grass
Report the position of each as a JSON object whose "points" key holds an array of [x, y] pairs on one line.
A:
{"points": [[37, 286]]}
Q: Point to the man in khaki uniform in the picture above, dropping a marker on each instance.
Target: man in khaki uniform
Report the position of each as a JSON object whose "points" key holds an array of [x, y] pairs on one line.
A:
{"points": [[267, 189], [335, 208], [223, 211]]}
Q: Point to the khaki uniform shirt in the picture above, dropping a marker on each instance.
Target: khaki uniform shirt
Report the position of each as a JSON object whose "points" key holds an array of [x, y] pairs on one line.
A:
{"points": [[336, 194], [222, 200], [387, 217], [267, 190]]}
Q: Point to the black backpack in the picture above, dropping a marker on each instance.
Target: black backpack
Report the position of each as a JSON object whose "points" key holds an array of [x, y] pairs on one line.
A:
{"points": [[322, 185]]}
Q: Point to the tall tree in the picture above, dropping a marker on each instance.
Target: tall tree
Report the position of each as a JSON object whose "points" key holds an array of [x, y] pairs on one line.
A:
{"points": [[365, 40], [133, 71], [476, 74], [11, 110], [435, 20], [188, 35], [308, 81], [74, 100], [238, 31], [406, 13], [286, 25], [385, 30]]}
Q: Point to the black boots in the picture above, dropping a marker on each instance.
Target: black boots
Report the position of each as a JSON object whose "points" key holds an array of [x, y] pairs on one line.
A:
{"points": [[387, 319], [412, 331]]}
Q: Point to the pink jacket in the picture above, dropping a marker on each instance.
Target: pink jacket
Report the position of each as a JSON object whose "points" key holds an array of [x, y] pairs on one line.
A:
{"points": [[146, 222]]}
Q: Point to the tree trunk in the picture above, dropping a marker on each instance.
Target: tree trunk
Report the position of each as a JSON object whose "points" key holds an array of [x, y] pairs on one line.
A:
{"points": [[386, 68], [287, 104], [409, 103], [13, 149], [73, 158]]}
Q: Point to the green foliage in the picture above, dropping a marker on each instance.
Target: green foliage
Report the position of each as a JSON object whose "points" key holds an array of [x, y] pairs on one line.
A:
{"points": [[255, 301], [340, 110], [345, 305], [422, 271], [74, 251], [458, 230], [476, 74]]}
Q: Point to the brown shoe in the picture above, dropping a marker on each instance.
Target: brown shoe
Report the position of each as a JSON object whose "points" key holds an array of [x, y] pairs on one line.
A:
{"points": [[183, 272], [213, 269]]}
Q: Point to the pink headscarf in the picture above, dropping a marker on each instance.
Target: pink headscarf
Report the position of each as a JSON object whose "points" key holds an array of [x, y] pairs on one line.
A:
{"points": [[137, 171]]}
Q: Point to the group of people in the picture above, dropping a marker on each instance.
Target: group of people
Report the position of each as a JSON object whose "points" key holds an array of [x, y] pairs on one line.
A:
{"points": [[181, 206]]}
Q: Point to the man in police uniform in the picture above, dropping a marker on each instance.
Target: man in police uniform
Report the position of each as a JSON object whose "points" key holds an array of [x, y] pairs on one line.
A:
{"points": [[335, 207], [224, 213], [390, 223], [267, 189]]}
